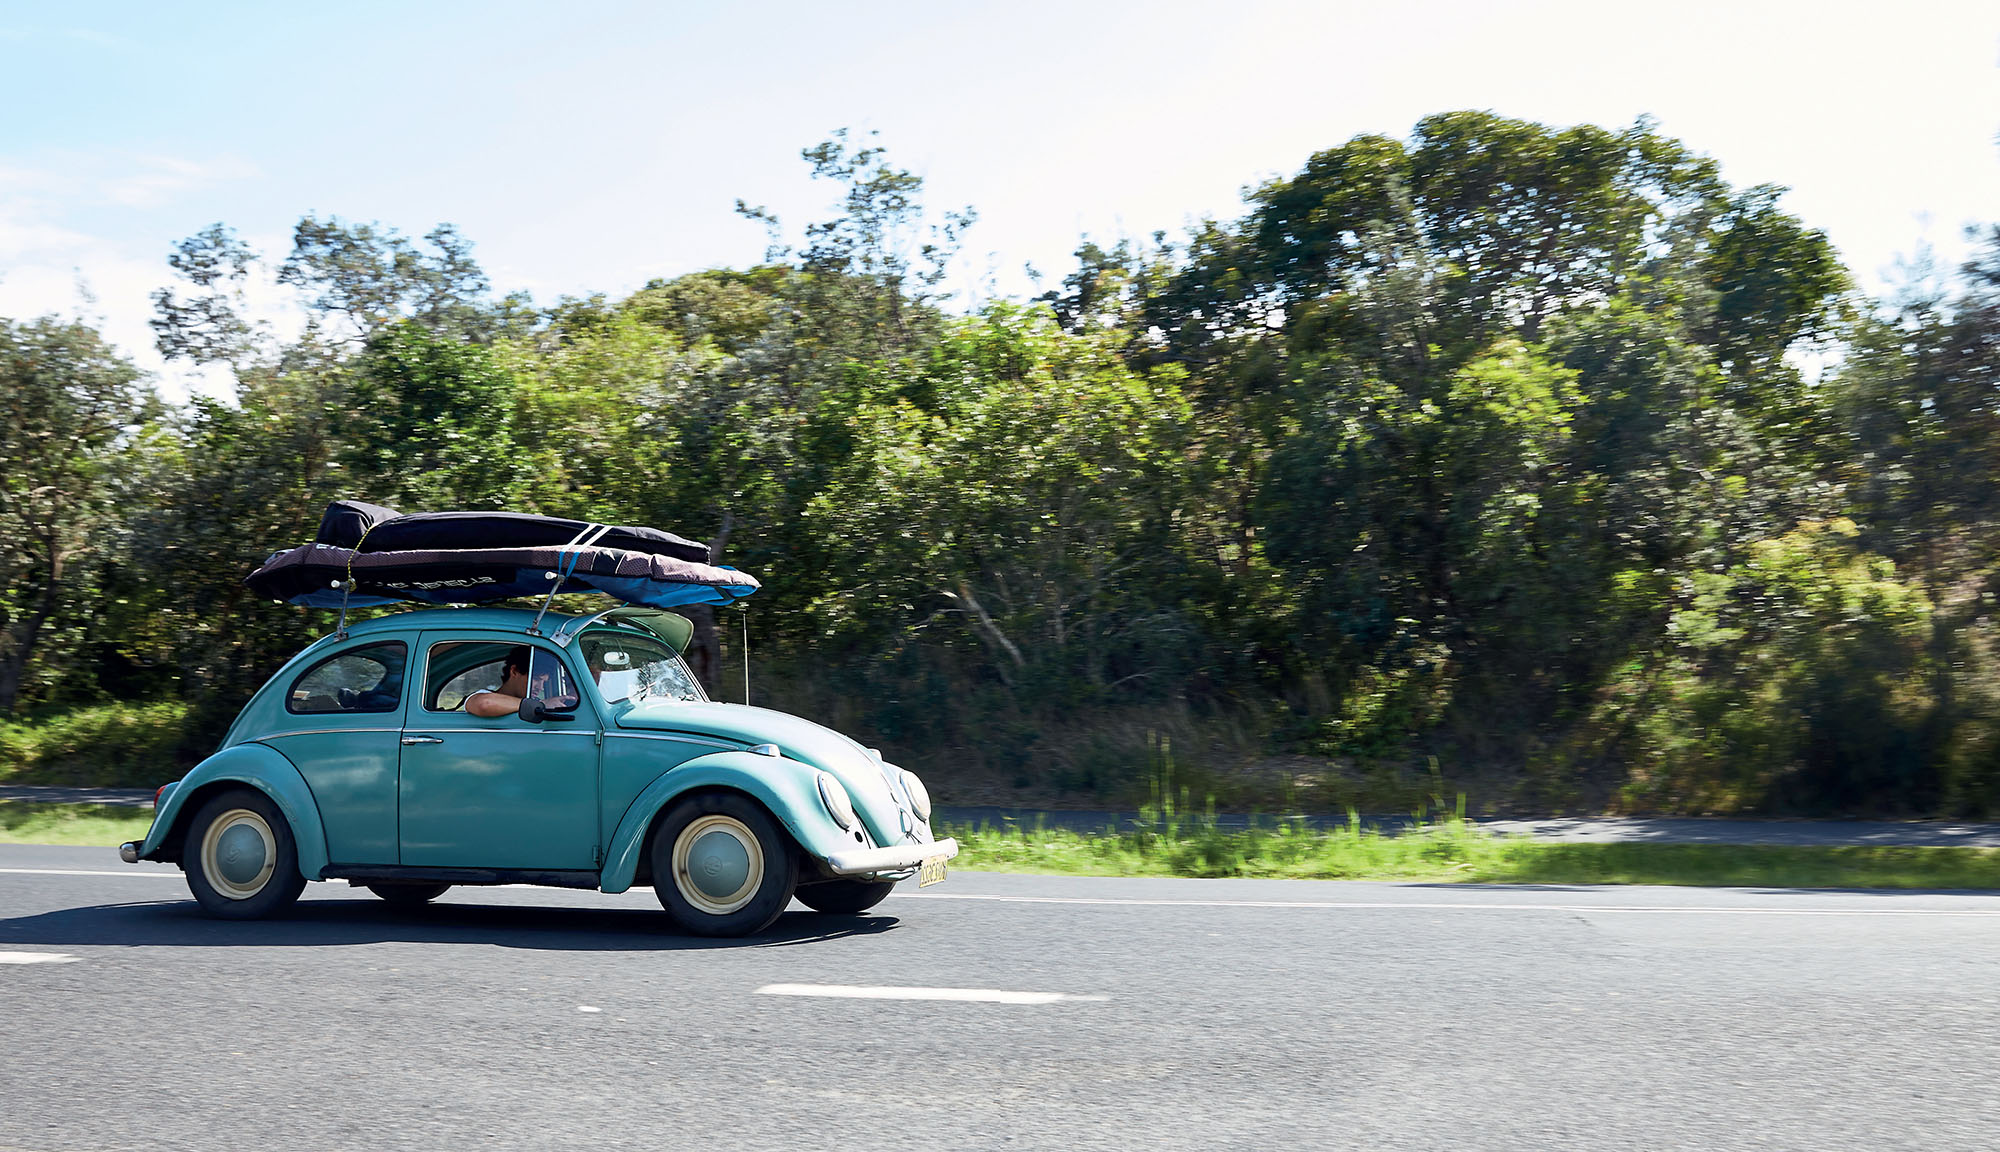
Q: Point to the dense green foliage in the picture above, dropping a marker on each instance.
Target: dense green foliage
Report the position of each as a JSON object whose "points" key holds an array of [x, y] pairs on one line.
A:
{"points": [[1488, 459], [96, 746]]}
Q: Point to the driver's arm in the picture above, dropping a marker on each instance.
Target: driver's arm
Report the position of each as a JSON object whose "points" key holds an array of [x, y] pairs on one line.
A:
{"points": [[490, 705]]}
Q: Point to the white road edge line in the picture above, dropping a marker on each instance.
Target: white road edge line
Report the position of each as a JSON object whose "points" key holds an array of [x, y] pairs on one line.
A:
{"points": [[877, 992], [173, 874], [75, 872], [176, 874], [36, 958], [1452, 906]]}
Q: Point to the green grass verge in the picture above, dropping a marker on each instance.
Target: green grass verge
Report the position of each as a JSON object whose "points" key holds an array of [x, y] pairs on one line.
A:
{"points": [[98, 825], [1754, 866], [1449, 850], [1452, 850]]}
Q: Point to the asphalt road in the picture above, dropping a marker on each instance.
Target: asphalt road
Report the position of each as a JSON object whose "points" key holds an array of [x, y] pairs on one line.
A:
{"points": [[1192, 1014]]}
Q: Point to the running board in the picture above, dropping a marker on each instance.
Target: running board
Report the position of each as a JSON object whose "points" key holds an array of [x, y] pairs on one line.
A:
{"points": [[470, 877]]}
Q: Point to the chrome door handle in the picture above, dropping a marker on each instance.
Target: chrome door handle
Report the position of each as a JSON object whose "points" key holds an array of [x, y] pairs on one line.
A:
{"points": [[407, 740]]}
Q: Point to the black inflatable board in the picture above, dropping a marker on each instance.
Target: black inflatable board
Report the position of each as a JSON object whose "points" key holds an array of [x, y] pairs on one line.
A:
{"points": [[368, 554], [325, 576]]}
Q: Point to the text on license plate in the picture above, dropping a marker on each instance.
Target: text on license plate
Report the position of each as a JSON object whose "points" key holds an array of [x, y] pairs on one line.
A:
{"points": [[931, 871]]}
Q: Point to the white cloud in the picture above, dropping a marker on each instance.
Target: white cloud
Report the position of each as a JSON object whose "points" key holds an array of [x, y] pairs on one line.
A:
{"points": [[162, 178], [49, 267]]}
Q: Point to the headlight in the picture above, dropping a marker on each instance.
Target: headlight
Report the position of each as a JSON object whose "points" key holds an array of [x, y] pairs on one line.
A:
{"points": [[834, 796], [920, 797]]}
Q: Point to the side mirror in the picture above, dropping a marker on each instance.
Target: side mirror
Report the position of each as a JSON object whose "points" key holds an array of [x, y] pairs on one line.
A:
{"points": [[555, 708]]}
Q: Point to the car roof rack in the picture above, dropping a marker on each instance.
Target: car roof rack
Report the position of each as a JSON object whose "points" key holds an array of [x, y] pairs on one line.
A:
{"points": [[571, 554], [670, 628]]}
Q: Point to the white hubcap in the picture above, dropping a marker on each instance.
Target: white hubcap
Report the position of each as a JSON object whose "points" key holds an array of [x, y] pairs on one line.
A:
{"points": [[238, 854], [718, 864]]}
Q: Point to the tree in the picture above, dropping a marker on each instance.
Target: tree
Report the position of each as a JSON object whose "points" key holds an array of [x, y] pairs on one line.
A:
{"points": [[391, 393], [204, 321], [427, 422], [1031, 515], [232, 483], [69, 409], [866, 285], [372, 277], [354, 280]]}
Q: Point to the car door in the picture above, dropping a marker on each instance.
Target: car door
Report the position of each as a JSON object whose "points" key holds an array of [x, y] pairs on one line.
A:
{"points": [[495, 792], [342, 717]]}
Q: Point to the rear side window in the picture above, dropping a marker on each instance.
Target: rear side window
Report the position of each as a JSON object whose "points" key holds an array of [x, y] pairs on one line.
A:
{"points": [[367, 679]]}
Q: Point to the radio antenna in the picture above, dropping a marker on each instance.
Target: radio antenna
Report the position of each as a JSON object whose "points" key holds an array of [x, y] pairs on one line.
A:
{"points": [[746, 654]]}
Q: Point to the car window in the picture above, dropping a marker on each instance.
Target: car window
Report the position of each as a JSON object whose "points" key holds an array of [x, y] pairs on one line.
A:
{"points": [[548, 678], [368, 679], [459, 668], [452, 679], [629, 667]]}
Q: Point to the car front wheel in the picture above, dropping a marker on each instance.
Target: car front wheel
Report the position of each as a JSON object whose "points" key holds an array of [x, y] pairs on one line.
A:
{"points": [[241, 860], [722, 866]]}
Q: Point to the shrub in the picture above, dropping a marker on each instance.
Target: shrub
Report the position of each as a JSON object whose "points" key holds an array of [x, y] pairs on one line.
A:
{"points": [[100, 746]]}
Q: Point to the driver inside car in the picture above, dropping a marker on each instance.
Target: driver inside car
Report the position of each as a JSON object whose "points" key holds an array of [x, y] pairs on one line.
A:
{"points": [[506, 699]]}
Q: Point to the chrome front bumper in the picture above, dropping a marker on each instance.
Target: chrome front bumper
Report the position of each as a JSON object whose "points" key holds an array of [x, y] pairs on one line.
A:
{"points": [[899, 858]]}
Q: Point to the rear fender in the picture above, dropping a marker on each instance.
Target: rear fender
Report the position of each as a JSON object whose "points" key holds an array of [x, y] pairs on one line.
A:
{"points": [[786, 788], [258, 766]]}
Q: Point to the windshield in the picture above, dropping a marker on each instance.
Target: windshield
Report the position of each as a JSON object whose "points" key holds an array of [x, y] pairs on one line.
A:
{"points": [[635, 668]]}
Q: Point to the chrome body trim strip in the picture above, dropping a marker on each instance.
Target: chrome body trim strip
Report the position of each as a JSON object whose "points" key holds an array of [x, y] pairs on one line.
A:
{"points": [[469, 730], [309, 732], [689, 738]]}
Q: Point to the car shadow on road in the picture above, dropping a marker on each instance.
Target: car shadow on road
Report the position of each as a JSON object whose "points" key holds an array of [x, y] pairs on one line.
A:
{"points": [[332, 923]]}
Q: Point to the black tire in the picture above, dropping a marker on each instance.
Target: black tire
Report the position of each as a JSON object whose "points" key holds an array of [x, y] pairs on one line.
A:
{"points": [[721, 865], [845, 896], [241, 860], [407, 893]]}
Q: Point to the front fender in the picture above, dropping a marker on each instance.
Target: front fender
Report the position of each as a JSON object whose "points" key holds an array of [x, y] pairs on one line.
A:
{"points": [[263, 768], [787, 788]]}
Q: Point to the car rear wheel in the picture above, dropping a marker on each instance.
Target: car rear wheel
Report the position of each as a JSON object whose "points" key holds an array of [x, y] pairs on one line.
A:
{"points": [[405, 894], [241, 860], [721, 865], [845, 896]]}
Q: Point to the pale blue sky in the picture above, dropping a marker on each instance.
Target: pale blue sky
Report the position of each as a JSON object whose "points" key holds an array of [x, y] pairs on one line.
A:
{"points": [[593, 146]]}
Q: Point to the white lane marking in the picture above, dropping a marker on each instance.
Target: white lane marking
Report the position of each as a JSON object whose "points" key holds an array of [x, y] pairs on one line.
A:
{"points": [[36, 958], [1459, 906], [78, 872], [587, 1008], [874, 992]]}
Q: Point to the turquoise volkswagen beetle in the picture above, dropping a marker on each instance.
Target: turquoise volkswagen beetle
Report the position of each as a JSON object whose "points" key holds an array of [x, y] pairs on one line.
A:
{"points": [[361, 761]]}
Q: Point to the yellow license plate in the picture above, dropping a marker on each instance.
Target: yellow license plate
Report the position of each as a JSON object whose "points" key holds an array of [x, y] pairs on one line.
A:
{"points": [[931, 871]]}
